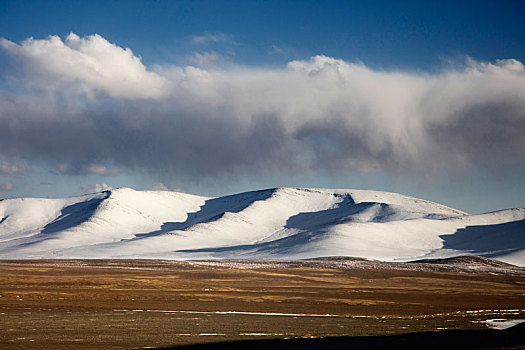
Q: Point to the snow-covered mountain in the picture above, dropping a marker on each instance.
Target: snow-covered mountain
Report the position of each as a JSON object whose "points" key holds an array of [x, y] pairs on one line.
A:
{"points": [[280, 223]]}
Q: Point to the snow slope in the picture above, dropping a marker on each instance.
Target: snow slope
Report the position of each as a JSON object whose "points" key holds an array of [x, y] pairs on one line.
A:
{"points": [[281, 223]]}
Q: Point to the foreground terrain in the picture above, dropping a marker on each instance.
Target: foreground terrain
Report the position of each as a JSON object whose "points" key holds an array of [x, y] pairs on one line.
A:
{"points": [[64, 304]]}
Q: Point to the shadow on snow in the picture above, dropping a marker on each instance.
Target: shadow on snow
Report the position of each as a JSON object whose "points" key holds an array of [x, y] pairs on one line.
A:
{"points": [[213, 209], [312, 225], [487, 240], [73, 215]]}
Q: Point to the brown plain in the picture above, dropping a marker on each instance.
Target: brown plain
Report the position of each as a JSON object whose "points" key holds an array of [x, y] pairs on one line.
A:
{"points": [[110, 304]]}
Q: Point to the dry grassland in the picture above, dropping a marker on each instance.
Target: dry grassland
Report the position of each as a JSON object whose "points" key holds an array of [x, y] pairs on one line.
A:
{"points": [[135, 304]]}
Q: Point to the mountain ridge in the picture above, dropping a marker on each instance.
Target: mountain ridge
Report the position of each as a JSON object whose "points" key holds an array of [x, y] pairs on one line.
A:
{"points": [[274, 223]]}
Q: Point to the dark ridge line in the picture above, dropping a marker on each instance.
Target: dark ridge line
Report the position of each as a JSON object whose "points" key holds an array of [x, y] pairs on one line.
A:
{"points": [[462, 264], [462, 259], [513, 337]]}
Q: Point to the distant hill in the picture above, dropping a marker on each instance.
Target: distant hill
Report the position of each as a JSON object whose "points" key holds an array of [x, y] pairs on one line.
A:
{"points": [[279, 223]]}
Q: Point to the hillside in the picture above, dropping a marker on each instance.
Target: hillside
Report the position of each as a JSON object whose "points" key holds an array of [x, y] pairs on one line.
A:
{"points": [[280, 223]]}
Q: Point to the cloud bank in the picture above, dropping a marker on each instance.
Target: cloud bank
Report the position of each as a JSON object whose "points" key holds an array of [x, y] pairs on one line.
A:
{"points": [[88, 106], [87, 65]]}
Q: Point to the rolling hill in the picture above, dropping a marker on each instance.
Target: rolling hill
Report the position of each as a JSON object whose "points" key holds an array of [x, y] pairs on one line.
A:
{"points": [[279, 223]]}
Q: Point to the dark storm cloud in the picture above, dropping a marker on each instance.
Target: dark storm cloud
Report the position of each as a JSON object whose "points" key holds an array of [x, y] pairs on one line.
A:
{"points": [[98, 142], [490, 135]]}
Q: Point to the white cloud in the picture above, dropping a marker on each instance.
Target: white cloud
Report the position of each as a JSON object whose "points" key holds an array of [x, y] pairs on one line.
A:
{"points": [[102, 170], [276, 50], [16, 167], [90, 65], [204, 58], [322, 114], [87, 169], [209, 38]]}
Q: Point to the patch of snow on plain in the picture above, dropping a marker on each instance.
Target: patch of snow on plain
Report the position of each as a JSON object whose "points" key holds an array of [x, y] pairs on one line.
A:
{"points": [[502, 323]]}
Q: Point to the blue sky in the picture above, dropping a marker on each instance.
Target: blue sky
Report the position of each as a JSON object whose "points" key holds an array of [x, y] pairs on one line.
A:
{"points": [[423, 98], [384, 34]]}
